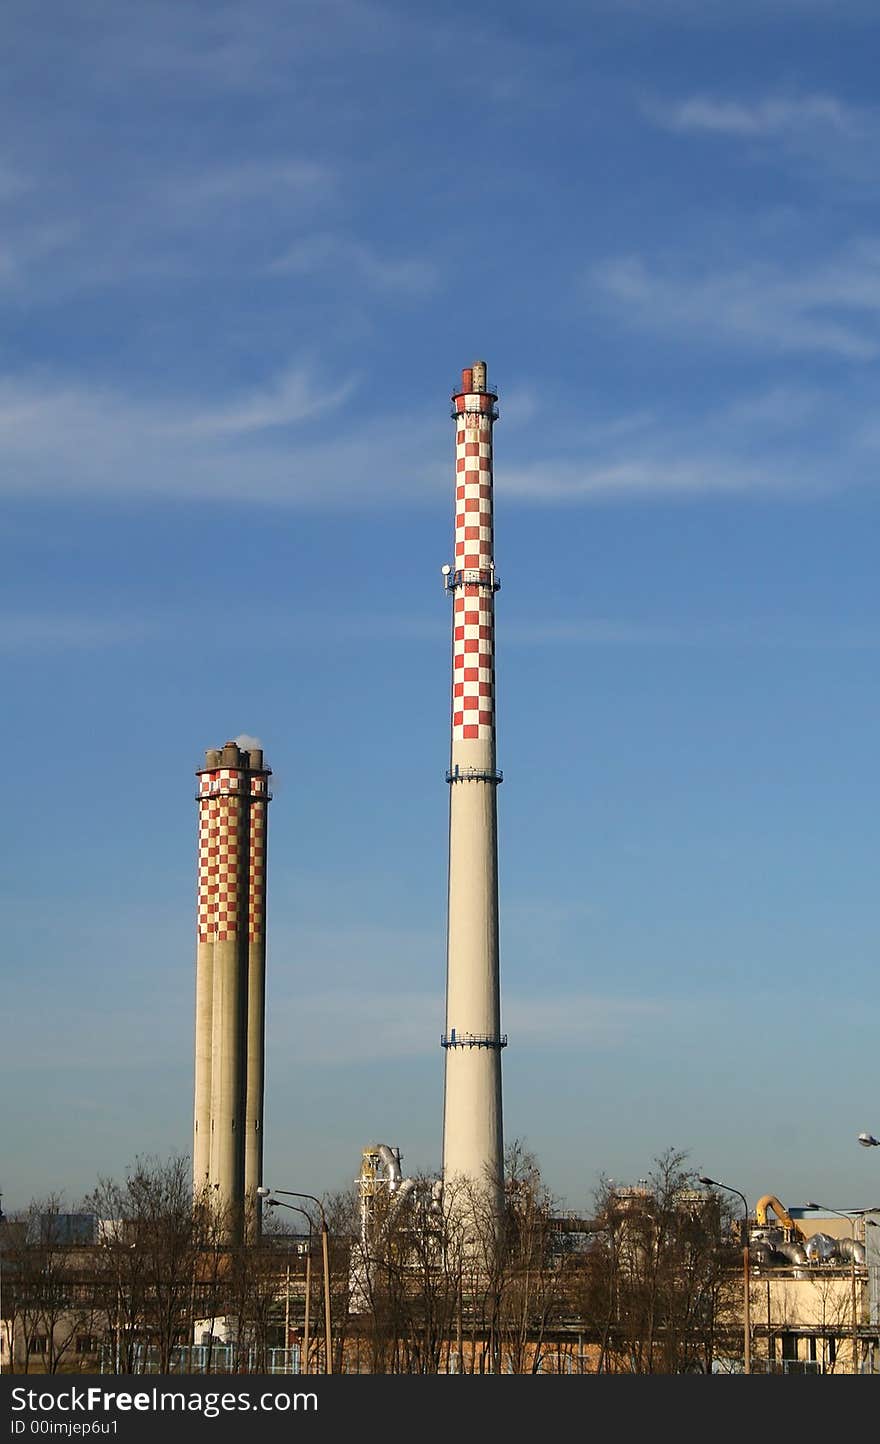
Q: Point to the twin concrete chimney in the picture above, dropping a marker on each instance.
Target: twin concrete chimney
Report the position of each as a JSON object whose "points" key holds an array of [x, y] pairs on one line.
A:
{"points": [[233, 797]]}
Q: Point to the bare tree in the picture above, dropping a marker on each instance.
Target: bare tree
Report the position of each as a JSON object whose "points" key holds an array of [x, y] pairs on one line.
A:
{"points": [[662, 1283], [531, 1264], [406, 1281], [151, 1257], [47, 1292]]}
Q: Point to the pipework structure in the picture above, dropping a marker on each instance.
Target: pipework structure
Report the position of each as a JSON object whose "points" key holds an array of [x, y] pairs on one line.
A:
{"points": [[233, 799], [473, 1144]]}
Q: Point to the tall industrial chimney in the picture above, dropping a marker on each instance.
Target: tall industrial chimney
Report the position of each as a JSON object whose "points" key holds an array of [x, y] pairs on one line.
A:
{"points": [[472, 1126], [233, 799]]}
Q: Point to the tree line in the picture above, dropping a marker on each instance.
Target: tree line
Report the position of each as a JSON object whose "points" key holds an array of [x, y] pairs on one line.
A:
{"points": [[647, 1284]]}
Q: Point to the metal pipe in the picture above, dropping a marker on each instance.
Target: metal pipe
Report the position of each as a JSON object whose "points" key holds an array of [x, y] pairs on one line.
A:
{"points": [[392, 1165]]}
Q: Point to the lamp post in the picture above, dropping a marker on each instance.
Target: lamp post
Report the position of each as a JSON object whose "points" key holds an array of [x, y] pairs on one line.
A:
{"points": [[851, 1220], [269, 1195], [2, 1221], [823, 1208], [308, 1297], [276, 1202], [867, 1140], [747, 1307]]}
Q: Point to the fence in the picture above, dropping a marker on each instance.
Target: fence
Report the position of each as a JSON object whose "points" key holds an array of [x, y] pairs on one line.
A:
{"points": [[208, 1359]]}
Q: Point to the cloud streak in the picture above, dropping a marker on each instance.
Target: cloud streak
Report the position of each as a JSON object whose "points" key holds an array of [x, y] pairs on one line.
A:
{"points": [[768, 117], [65, 630], [823, 138], [830, 308], [295, 396], [60, 438], [251, 180], [34, 632], [347, 1026], [65, 440], [354, 261], [712, 473]]}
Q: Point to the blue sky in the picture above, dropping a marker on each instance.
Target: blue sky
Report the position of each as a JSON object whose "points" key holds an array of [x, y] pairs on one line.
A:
{"points": [[244, 253]]}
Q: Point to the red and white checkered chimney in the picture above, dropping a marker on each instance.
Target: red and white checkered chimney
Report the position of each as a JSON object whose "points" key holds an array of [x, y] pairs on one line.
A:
{"points": [[472, 1125], [233, 799]]}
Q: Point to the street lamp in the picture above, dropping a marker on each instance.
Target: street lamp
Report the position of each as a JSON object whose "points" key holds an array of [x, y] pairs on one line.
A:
{"points": [[273, 1202], [867, 1140], [306, 1337], [747, 1307], [823, 1208], [2, 1222]]}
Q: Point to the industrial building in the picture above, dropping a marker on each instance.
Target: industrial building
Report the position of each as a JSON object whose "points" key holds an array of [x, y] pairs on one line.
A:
{"points": [[815, 1289]]}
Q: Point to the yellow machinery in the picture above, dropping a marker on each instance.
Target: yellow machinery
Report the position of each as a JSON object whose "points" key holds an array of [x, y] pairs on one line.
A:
{"points": [[783, 1217]]}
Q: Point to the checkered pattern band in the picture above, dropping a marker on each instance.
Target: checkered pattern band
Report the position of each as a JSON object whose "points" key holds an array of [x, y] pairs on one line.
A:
{"points": [[227, 862], [473, 664], [257, 862], [207, 831], [225, 779], [232, 854], [466, 401]]}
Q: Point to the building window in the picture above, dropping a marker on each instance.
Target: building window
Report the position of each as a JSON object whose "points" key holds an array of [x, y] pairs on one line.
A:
{"points": [[789, 1344]]}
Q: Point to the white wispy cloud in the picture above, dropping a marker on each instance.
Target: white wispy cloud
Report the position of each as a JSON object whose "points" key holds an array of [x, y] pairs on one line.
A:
{"points": [[230, 47], [598, 631], [520, 405], [29, 247], [351, 1026], [829, 307], [769, 116], [782, 407], [31, 632], [71, 224], [711, 13], [67, 630], [316, 253], [13, 183], [295, 396], [824, 139], [251, 180], [662, 474], [572, 1019], [60, 437]]}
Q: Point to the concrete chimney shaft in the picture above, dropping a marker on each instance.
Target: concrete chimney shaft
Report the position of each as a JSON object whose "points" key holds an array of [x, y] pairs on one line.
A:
{"points": [[472, 1120], [230, 983]]}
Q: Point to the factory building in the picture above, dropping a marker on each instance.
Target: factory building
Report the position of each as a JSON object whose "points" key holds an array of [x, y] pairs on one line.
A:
{"points": [[233, 797]]}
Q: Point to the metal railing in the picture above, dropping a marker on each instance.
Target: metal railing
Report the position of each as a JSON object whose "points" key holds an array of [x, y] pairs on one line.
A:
{"points": [[787, 1366], [472, 1040], [208, 1359], [473, 774]]}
